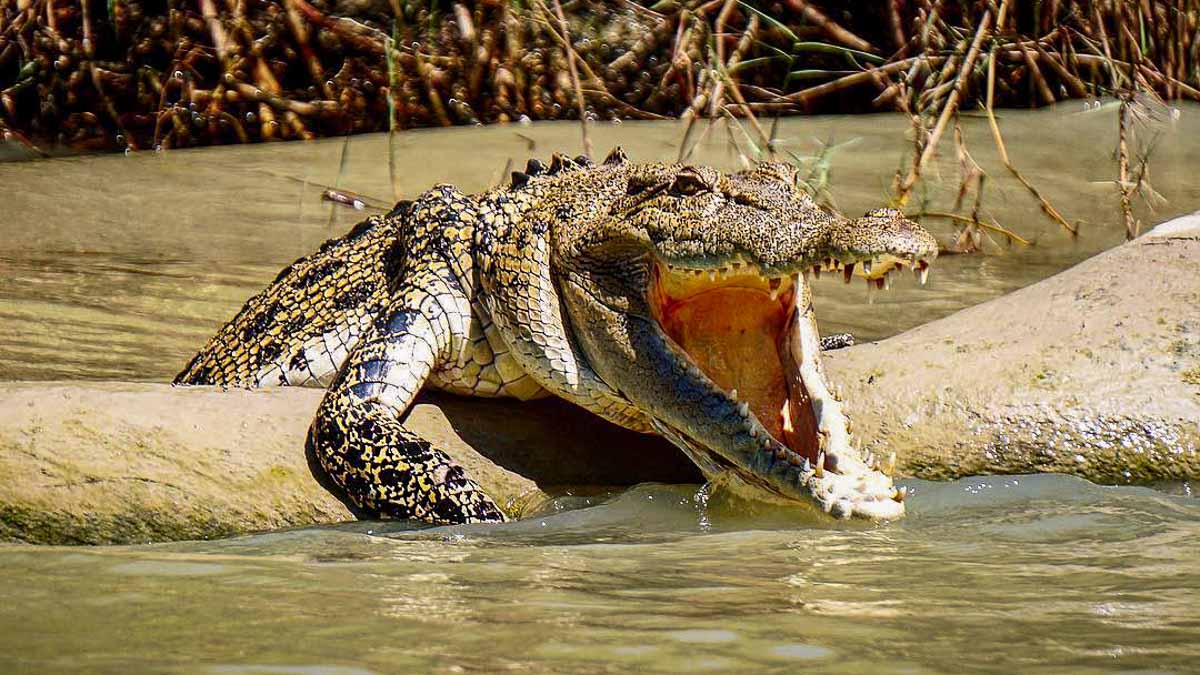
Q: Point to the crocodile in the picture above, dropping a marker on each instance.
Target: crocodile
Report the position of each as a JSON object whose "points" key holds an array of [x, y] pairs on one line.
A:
{"points": [[666, 298]]}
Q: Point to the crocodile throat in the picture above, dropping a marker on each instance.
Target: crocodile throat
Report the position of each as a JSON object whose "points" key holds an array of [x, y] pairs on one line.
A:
{"points": [[736, 328], [756, 338]]}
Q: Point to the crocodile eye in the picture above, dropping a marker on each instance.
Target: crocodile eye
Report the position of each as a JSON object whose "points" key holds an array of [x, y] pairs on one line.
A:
{"points": [[688, 183]]}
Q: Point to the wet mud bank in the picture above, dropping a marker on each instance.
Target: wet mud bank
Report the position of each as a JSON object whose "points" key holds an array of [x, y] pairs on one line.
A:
{"points": [[1094, 372], [94, 463]]}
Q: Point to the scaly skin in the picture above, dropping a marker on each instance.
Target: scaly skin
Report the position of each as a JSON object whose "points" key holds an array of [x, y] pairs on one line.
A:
{"points": [[577, 281]]}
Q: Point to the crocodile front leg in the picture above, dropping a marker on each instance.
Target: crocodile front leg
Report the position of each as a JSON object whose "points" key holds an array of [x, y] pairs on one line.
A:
{"points": [[358, 434]]}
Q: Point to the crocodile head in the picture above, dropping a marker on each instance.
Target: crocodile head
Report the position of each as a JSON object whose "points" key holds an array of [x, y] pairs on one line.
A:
{"points": [[687, 294]]}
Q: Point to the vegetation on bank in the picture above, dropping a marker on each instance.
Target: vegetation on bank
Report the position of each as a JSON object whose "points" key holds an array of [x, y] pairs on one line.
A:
{"points": [[157, 74], [171, 73]]}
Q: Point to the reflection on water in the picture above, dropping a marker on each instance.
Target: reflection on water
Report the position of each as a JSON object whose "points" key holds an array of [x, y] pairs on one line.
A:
{"points": [[1003, 573], [116, 267], [120, 267]]}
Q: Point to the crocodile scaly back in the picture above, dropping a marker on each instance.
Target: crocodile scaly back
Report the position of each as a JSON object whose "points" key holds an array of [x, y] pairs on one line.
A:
{"points": [[300, 328]]}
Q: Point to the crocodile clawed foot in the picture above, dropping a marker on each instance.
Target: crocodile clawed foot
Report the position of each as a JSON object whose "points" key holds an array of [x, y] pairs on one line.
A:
{"points": [[837, 341]]}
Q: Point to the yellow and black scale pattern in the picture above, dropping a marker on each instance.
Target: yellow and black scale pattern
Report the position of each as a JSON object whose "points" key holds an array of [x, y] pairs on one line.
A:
{"points": [[473, 294], [450, 291], [300, 328]]}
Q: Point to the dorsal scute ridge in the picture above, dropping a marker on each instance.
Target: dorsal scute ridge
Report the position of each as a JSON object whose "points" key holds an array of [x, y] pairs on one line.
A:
{"points": [[560, 163]]}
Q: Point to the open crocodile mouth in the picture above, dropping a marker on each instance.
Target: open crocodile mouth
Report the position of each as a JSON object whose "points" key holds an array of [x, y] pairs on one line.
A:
{"points": [[755, 337]]}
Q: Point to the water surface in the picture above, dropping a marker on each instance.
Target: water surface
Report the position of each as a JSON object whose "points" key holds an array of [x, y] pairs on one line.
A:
{"points": [[1026, 574]]}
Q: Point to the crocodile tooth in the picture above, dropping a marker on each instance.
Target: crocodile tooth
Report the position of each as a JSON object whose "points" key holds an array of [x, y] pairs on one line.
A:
{"points": [[880, 282], [744, 409], [900, 493], [889, 465], [867, 265], [519, 179], [535, 167], [733, 394], [847, 272], [794, 459], [816, 270], [819, 470], [712, 275], [785, 416], [921, 270]]}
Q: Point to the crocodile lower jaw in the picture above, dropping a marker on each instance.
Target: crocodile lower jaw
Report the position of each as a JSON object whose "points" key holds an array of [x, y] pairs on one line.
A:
{"points": [[755, 338]]}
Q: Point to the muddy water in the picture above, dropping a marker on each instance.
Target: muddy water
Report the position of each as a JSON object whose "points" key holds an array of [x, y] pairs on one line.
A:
{"points": [[1025, 574], [119, 267]]}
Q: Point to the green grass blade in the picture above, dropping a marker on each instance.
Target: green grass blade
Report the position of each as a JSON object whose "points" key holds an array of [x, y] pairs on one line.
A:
{"points": [[824, 47]]}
